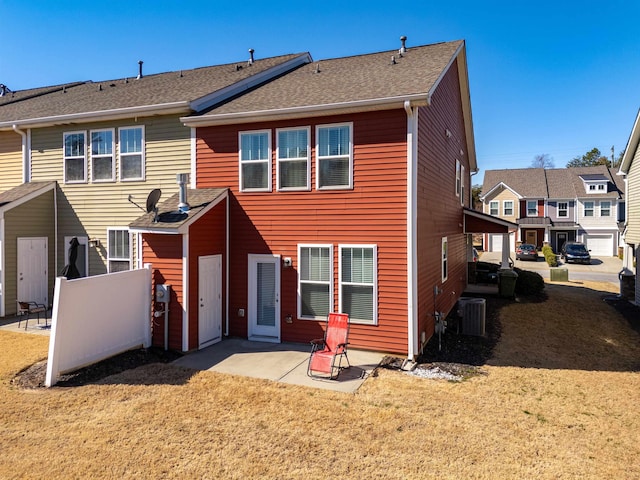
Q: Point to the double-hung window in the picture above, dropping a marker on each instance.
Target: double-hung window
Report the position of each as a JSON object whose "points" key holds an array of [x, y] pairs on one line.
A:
{"points": [[119, 252], [358, 282], [563, 209], [445, 259], [255, 161], [457, 177], [493, 207], [131, 144], [532, 208], [507, 208], [315, 285], [462, 185], [102, 165], [293, 155], [75, 157], [588, 209], [334, 152], [605, 209]]}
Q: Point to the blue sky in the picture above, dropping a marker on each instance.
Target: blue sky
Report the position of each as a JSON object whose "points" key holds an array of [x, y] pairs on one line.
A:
{"points": [[547, 77]]}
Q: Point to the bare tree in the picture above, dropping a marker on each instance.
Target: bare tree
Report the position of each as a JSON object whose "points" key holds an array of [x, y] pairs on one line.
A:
{"points": [[542, 160]]}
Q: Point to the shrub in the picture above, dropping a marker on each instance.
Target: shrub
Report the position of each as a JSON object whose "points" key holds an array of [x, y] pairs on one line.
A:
{"points": [[549, 256], [528, 283]]}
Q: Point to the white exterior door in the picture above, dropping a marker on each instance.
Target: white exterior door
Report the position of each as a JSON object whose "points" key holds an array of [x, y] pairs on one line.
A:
{"points": [[600, 245], [209, 300], [32, 270], [264, 298], [496, 242]]}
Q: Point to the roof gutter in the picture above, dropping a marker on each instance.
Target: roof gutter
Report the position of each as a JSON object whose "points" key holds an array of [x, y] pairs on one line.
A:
{"points": [[25, 153], [103, 115], [387, 103]]}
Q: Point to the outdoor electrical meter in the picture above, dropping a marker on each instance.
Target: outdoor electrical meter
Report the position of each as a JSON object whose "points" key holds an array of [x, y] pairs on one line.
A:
{"points": [[163, 293]]}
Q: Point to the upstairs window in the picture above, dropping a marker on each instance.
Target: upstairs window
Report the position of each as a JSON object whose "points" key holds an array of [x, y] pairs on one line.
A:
{"points": [[102, 164], [293, 154], [462, 185], [563, 209], [75, 157], [334, 156], [532, 208], [588, 209], [119, 252], [458, 177], [605, 209], [358, 282], [255, 161], [493, 207], [507, 208], [445, 259], [315, 264], [131, 153]]}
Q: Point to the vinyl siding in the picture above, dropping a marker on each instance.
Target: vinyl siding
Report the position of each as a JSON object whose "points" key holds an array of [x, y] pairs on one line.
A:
{"points": [[597, 220], [439, 209], [373, 212], [502, 196], [633, 200], [11, 160], [89, 209], [164, 252], [31, 219]]}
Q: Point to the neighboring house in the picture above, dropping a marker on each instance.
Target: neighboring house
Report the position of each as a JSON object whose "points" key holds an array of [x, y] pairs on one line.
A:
{"points": [[341, 186], [630, 168], [107, 145], [558, 205]]}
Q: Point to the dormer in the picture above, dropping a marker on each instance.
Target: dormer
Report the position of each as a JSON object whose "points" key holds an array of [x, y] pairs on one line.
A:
{"points": [[596, 183]]}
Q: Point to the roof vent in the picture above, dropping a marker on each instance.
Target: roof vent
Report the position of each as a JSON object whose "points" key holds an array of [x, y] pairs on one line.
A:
{"points": [[140, 62], [181, 75], [393, 60], [100, 87], [403, 48], [250, 62], [183, 179], [238, 68], [64, 89], [317, 69], [4, 90]]}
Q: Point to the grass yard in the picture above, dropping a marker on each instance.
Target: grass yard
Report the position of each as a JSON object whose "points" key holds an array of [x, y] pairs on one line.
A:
{"points": [[560, 400]]}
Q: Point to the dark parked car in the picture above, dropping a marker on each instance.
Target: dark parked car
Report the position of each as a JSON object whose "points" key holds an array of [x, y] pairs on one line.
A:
{"points": [[527, 251], [575, 252]]}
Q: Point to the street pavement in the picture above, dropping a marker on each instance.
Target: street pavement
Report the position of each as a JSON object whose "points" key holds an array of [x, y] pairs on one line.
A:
{"points": [[602, 269]]}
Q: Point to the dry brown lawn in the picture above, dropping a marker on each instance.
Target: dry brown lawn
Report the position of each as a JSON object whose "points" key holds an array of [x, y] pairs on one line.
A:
{"points": [[560, 400]]}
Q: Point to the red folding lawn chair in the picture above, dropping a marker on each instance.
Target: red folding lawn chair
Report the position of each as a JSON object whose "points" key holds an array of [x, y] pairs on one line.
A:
{"points": [[326, 351]]}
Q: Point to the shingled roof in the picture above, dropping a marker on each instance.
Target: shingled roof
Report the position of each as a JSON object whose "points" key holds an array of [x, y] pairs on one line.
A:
{"points": [[22, 192], [181, 91], [527, 182], [343, 82]]}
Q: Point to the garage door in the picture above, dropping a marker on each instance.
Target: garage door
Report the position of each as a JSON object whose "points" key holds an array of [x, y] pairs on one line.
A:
{"points": [[600, 245], [496, 242]]}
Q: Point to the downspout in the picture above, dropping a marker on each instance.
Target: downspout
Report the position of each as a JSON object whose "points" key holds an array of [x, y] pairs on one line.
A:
{"points": [[25, 153], [412, 233], [226, 255]]}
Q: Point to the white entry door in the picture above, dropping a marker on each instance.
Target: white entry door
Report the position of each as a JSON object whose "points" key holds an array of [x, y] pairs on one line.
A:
{"points": [[209, 300], [32, 270], [264, 298]]}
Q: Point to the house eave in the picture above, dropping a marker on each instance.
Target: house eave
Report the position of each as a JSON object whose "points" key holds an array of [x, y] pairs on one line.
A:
{"points": [[173, 108], [374, 104], [632, 146]]}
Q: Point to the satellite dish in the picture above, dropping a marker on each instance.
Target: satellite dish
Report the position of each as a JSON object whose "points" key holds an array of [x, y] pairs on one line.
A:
{"points": [[152, 203]]}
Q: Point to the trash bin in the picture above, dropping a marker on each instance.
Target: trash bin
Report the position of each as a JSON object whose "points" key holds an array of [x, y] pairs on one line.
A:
{"points": [[507, 283]]}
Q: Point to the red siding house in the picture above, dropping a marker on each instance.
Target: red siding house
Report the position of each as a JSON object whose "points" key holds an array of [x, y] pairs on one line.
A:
{"points": [[342, 186]]}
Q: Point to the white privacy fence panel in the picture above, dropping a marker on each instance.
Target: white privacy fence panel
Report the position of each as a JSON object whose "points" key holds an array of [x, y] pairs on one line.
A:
{"points": [[98, 317]]}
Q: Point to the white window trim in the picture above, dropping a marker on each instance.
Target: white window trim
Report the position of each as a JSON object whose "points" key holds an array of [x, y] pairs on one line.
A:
{"points": [[444, 259], [462, 199], [535, 202], [457, 178], [118, 259], [64, 157], [319, 158], [269, 186], [610, 208], [375, 282], [497, 203], [113, 154], [593, 209], [142, 153], [331, 270], [307, 187], [558, 210], [504, 208]]}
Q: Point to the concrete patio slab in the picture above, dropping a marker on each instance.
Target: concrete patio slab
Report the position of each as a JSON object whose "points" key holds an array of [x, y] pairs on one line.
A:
{"points": [[281, 362]]}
